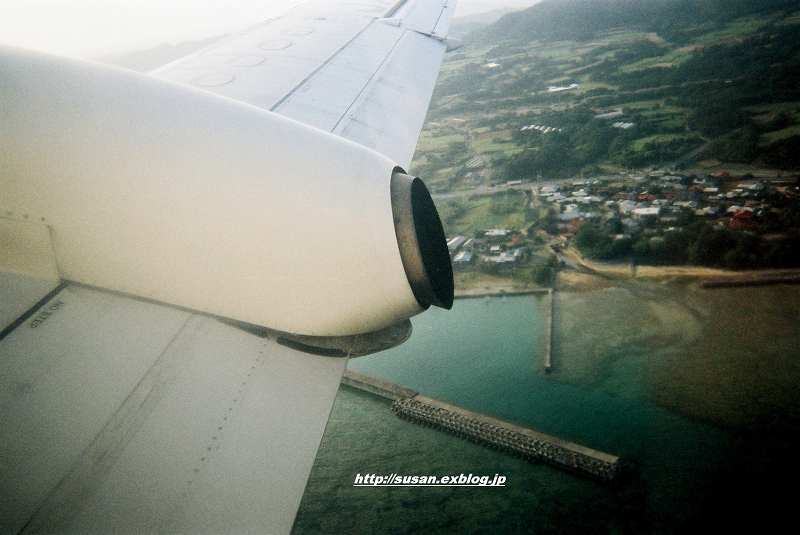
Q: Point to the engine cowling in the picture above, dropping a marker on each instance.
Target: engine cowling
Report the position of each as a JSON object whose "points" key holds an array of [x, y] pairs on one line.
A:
{"points": [[174, 194]]}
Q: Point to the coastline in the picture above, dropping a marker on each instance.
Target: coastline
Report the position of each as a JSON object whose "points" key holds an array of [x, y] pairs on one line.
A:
{"points": [[623, 270], [595, 276], [500, 290]]}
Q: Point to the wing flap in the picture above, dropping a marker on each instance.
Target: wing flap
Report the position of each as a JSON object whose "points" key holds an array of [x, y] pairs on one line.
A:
{"points": [[62, 381], [429, 17], [149, 419]]}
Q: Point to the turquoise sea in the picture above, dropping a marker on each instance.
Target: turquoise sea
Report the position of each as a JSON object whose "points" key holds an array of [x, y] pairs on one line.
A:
{"points": [[683, 384]]}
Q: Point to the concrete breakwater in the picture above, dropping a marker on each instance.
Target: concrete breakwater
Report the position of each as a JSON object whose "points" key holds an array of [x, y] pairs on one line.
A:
{"points": [[507, 437], [488, 431], [500, 293], [548, 335], [373, 385]]}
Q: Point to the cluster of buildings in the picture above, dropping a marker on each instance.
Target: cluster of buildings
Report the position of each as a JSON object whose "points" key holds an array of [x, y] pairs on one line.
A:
{"points": [[644, 206], [658, 200], [501, 246], [540, 127], [622, 125]]}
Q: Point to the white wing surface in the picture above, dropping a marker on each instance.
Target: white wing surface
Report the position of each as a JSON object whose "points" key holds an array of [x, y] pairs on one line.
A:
{"points": [[123, 416], [128, 402], [363, 70]]}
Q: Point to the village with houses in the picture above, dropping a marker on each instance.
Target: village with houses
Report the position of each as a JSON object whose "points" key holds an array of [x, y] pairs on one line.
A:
{"points": [[657, 201], [660, 218]]}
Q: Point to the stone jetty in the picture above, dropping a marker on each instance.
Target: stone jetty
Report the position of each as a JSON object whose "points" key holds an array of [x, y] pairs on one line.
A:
{"points": [[548, 334], [507, 437]]}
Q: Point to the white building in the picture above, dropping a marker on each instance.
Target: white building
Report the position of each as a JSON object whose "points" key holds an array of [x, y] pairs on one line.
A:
{"points": [[456, 242], [548, 190], [646, 211], [464, 257], [496, 232]]}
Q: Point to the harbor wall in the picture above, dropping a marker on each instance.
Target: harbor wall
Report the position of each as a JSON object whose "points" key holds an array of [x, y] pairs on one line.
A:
{"points": [[548, 334], [500, 293], [376, 386], [519, 441], [491, 432]]}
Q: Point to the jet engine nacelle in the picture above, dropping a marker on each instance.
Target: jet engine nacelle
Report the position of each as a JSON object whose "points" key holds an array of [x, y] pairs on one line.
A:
{"points": [[174, 194]]}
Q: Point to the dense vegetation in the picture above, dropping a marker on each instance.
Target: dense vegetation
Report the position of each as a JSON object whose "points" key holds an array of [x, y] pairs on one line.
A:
{"points": [[721, 76], [694, 244], [675, 20]]}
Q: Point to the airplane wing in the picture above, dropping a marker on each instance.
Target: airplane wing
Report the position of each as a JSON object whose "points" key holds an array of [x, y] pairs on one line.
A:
{"points": [[365, 75], [184, 274]]}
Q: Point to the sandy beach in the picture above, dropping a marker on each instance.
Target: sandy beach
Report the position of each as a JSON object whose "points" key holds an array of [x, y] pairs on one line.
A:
{"points": [[624, 270]]}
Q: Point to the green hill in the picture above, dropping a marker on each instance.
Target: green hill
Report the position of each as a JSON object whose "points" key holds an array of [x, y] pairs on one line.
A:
{"points": [[621, 84], [581, 19]]}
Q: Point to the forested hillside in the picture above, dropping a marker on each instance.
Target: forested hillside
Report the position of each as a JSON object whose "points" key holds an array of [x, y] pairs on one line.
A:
{"points": [[679, 21], [628, 84]]}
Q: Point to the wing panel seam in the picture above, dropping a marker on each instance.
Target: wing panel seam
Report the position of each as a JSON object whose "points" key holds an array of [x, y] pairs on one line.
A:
{"points": [[376, 75], [62, 503], [313, 73]]}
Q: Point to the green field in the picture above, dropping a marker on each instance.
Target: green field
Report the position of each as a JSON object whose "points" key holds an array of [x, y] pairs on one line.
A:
{"points": [[734, 30], [640, 143], [495, 145], [673, 58], [773, 137], [433, 141]]}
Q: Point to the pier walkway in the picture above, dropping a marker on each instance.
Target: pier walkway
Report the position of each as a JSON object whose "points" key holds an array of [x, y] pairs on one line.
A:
{"points": [[373, 385], [548, 334]]}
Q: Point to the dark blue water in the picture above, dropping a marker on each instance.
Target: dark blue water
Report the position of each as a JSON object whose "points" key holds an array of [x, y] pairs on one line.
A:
{"points": [[611, 350], [487, 355], [484, 355]]}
